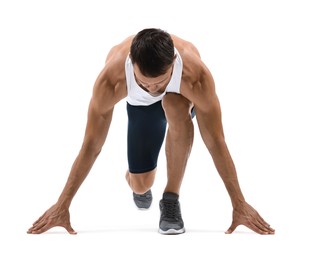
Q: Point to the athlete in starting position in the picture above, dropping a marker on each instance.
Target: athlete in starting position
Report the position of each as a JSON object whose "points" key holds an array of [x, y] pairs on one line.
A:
{"points": [[165, 82]]}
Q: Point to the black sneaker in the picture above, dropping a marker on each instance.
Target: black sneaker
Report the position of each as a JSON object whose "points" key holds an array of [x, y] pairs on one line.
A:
{"points": [[171, 222], [143, 201]]}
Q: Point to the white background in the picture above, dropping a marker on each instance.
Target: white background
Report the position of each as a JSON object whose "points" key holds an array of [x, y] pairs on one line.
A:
{"points": [[50, 55]]}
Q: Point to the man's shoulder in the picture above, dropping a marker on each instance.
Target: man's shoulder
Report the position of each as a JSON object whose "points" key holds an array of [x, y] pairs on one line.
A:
{"points": [[111, 79], [116, 58], [119, 52], [188, 53], [192, 62]]}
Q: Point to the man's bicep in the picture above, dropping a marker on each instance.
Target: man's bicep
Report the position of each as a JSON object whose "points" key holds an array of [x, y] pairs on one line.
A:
{"points": [[209, 120], [98, 123]]}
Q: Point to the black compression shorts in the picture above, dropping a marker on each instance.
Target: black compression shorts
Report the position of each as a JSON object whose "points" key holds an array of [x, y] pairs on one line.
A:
{"points": [[146, 132]]}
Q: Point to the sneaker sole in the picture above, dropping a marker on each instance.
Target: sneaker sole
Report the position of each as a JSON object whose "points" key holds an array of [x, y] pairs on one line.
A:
{"points": [[143, 209], [172, 231]]}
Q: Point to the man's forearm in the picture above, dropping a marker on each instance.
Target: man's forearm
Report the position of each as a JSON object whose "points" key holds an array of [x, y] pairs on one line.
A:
{"points": [[227, 171], [79, 171], [95, 135]]}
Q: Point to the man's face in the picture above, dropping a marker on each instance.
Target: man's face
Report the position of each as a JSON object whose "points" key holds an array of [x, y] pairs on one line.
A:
{"points": [[154, 86]]}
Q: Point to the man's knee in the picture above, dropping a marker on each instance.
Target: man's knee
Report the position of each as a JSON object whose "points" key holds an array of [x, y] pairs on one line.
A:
{"points": [[141, 182], [176, 107]]}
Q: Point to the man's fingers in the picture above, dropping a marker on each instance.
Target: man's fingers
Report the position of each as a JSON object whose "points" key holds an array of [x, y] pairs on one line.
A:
{"points": [[38, 229], [266, 229], [264, 226], [259, 230], [70, 229], [231, 228], [269, 228], [36, 226], [72, 232], [258, 227], [38, 220], [229, 231]]}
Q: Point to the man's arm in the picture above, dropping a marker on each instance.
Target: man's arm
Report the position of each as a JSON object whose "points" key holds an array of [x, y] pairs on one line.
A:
{"points": [[208, 113], [100, 111], [95, 136]]}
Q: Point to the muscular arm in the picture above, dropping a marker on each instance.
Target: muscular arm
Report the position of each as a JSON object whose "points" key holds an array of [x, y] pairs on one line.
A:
{"points": [[212, 133], [208, 113], [96, 132], [199, 87], [106, 94]]}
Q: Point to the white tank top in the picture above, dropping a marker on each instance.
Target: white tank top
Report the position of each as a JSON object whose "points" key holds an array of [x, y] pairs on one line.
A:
{"points": [[139, 97]]}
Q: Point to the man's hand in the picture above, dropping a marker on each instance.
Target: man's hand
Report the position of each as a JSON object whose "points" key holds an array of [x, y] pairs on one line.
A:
{"points": [[246, 215], [55, 216]]}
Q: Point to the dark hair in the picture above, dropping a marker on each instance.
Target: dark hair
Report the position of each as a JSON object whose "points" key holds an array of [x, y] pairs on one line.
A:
{"points": [[153, 52]]}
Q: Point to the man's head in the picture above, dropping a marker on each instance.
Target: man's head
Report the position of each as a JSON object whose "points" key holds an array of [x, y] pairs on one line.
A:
{"points": [[152, 50]]}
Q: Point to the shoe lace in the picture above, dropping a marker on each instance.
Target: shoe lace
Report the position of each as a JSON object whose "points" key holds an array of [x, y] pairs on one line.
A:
{"points": [[170, 209], [143, 196]]}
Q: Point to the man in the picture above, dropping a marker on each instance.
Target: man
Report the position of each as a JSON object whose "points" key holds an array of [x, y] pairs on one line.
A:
{"points": [[165, 82]]}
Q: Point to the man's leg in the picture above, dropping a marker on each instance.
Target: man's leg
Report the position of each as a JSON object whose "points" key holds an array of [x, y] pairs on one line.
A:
{"points": [[179, 142], [179, 138], [146, 132], [141, 182], [141, 186]]}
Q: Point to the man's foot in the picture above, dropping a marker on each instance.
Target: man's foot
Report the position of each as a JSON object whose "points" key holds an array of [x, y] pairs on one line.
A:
{"points": [[171, 222], [143, 201]]}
